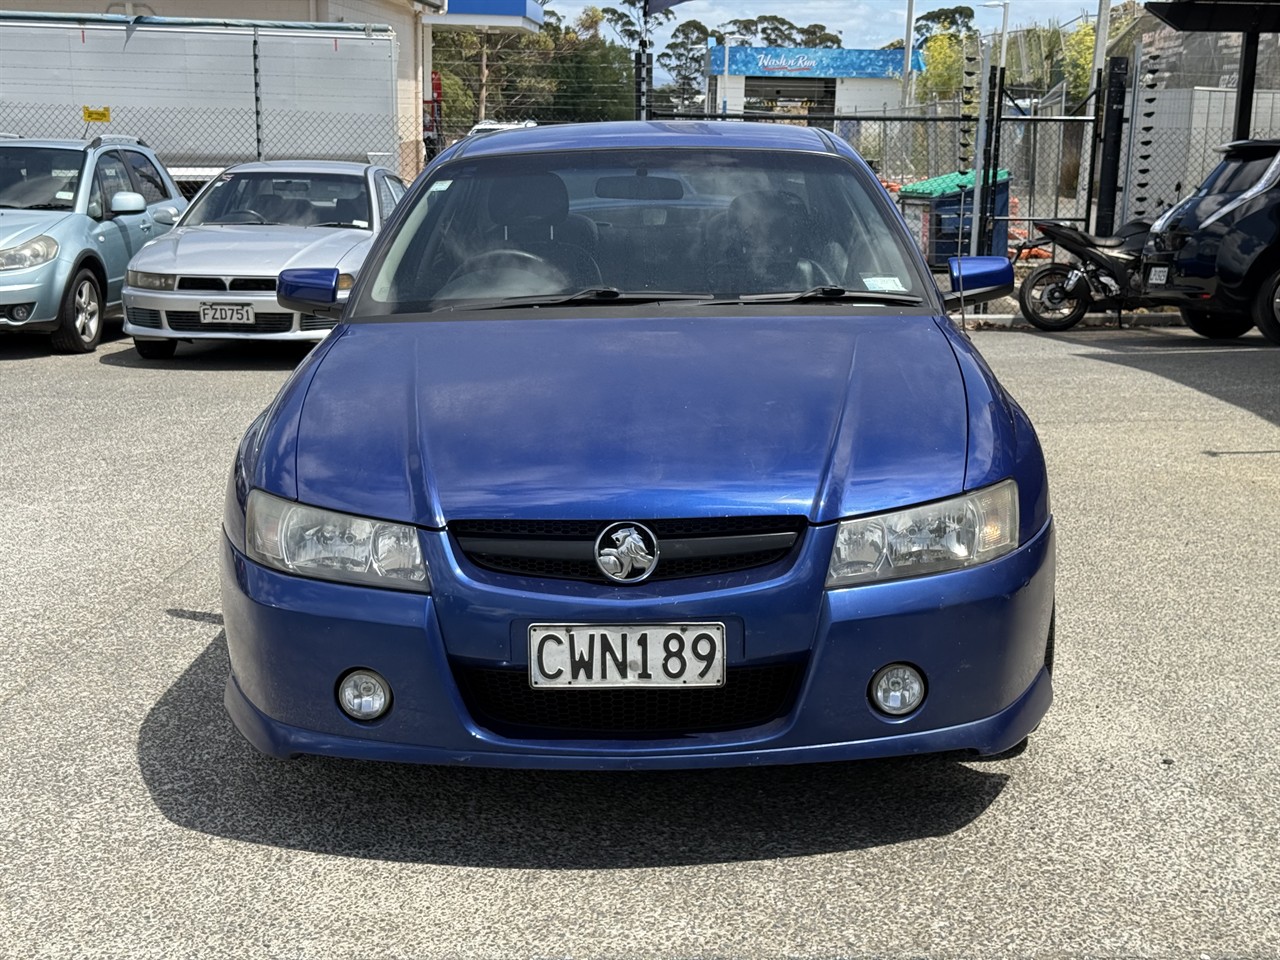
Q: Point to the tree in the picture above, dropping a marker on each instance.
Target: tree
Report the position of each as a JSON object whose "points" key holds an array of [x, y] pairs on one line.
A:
{"points": [[685, 60], [626, 20], [943, 75], [775, 31], [944, 20], [1078, 62]]}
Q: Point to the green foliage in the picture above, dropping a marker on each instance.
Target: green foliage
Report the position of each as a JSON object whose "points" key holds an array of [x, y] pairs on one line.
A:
{"points": [[775, 31], [1078, 61], [956, 20], [625, 20], [943, 74], [685, 60]]}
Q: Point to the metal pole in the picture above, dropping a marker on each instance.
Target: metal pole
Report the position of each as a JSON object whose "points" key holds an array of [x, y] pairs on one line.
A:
{"points": [[985, 56], [909, 46], [1244, 88], [257, 97], [1102, 33]]}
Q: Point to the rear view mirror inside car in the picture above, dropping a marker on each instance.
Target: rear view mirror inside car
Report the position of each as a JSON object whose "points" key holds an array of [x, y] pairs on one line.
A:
{"points": [[639, 188]]}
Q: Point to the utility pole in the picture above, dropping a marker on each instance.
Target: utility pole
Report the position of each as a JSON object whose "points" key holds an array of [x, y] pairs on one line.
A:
{"points": [[908, 46]]}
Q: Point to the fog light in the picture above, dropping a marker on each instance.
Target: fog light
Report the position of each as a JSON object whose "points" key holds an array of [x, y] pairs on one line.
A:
{"points": [[20, 312], [897, 689], [363, 695]]}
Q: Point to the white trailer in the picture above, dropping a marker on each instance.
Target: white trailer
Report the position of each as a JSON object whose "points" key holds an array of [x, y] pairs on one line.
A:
{"points": [[203, 93]]}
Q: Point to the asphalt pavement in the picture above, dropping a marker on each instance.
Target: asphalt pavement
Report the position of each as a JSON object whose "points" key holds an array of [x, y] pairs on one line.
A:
{"points": [[1142, 821]]}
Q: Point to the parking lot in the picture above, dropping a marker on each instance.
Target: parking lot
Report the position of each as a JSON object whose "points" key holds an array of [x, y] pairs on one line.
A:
{"points": [[1140, 822]]}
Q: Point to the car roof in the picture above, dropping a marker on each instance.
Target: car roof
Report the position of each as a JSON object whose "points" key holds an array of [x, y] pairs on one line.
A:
{"points": [[304, 166], [684, 134]]}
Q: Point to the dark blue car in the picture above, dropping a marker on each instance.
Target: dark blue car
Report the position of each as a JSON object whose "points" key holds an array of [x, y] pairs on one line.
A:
{"points": [[641, 445]]}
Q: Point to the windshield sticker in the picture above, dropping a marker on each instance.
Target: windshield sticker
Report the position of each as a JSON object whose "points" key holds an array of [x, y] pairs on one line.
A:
{"points": [[883, 284], [64, 195]]}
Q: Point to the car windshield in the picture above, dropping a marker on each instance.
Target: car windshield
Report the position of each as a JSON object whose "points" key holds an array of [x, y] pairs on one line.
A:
{"points": [[1235, 175], [652, 224], [39, 178], [274, 197]]}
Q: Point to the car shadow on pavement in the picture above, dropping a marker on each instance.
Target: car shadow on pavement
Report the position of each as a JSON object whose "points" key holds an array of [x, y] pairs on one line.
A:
{"points": [[1241, 372], [203, 776], [213, 355]]}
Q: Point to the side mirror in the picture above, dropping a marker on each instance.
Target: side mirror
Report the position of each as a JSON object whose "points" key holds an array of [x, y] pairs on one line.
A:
{"points": [[978, 279], [166, 215], [94, 209], [126, 201], [310, 290]]}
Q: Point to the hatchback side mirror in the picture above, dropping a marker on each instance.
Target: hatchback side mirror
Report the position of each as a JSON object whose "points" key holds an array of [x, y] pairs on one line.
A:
{"points": [[126, 201]]}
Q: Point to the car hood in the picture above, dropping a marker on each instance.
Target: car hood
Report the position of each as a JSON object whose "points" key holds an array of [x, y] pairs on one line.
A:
{"points": [[580, 418], [19, 226], [250, 249]]}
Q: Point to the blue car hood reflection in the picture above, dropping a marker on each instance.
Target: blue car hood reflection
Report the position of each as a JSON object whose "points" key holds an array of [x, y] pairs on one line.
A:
{"points": [[587, 417]]}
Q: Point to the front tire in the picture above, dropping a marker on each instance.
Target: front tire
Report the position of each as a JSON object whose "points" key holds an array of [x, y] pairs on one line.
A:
{"points": [[1216, 325], [80, 316], [1266, 309], [155, 349], [1045, 302]]}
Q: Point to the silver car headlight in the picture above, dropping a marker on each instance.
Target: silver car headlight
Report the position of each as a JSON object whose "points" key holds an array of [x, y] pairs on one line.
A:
{"points": [[30, 254], [947, 535], [150, 281], [328, 545]]}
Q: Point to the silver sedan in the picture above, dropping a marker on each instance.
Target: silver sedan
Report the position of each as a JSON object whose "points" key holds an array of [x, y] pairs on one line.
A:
{"points": [[214, 275]]}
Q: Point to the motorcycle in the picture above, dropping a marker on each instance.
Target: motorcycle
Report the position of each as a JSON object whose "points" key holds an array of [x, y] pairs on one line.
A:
{"points": [[1105, 274]]}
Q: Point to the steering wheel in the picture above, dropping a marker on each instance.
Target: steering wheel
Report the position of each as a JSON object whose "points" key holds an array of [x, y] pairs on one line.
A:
{"points": [[520, 259], [240, 216]]}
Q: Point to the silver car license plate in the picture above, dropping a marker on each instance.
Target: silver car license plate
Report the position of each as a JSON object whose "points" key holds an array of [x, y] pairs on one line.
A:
{"points": [[594, 655], [226, 313], [1158, 276]]}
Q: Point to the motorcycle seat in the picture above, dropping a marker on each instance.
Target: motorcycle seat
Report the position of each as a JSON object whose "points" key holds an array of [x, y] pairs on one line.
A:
{"points": [[1106, 243]]}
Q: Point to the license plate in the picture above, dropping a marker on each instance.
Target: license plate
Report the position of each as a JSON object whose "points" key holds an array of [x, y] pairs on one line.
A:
{"points": [[226, 313], [1158, 276], [584, 655]]}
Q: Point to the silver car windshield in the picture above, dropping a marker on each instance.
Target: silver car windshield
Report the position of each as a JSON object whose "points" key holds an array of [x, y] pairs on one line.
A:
{"points": [[39, 178], [637, 223], [297, 199]]}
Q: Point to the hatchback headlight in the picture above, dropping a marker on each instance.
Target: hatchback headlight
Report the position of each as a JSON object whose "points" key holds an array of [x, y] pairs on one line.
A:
{"points": [[150, 281], [30, 254], [328, 545], [948, 535]]}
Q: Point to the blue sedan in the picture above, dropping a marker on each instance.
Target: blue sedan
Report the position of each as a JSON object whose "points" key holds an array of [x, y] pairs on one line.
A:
{"points": [[640, 445]]}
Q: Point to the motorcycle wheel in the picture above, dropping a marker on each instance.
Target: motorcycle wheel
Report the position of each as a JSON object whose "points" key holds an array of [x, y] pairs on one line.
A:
{"points": [[1215, 325], [1045, 303]]}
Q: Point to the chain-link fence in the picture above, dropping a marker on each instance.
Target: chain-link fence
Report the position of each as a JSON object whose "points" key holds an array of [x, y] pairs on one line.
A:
{"points": [[1182, 106], [194, 143]]}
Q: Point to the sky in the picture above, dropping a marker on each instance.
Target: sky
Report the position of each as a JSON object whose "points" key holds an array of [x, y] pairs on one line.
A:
{"points": [[865, 24]]}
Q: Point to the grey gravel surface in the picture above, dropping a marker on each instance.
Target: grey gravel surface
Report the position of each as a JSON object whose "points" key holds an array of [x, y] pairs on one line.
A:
{"points": [[1141, 822]]}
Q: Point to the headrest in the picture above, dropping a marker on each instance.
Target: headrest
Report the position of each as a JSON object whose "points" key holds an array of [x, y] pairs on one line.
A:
{"points": [[779, 214], [539, 196]]}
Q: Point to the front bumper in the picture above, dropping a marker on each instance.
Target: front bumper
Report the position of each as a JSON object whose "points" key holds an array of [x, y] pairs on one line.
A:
{"points": [[40, 289], [161, 315], [978, 635]]}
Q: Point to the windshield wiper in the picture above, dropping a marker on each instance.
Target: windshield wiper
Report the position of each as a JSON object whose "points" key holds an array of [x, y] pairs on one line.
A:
{"points": [[829, 293], [589, 295], [45, 206], [338, 223]]}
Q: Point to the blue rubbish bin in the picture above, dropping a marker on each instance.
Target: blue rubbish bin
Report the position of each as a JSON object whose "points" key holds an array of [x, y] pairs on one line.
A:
{"points": [[939, 214]]}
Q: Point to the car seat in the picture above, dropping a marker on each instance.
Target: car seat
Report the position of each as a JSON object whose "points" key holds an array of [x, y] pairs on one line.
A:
{"points": [[531, 214], [759, 245]]}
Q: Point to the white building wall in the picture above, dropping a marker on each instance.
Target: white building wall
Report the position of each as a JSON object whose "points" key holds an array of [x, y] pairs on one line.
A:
{"points": [[857, 95]]}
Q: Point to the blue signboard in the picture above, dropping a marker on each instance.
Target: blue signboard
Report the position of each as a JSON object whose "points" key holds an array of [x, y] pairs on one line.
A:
{"points": [[812, 62]]}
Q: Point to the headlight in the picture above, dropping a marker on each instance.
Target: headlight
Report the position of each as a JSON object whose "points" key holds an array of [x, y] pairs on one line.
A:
{"points": [[328, 545], [954, 533], [150, 281], [29, 254]]}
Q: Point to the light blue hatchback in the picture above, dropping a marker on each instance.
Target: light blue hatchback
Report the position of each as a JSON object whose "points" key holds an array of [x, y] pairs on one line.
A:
{"points": [[72, 214]]}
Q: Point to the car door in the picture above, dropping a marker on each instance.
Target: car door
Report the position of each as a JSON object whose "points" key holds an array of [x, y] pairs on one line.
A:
{"points": [[117, 237], [148, 181]]}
